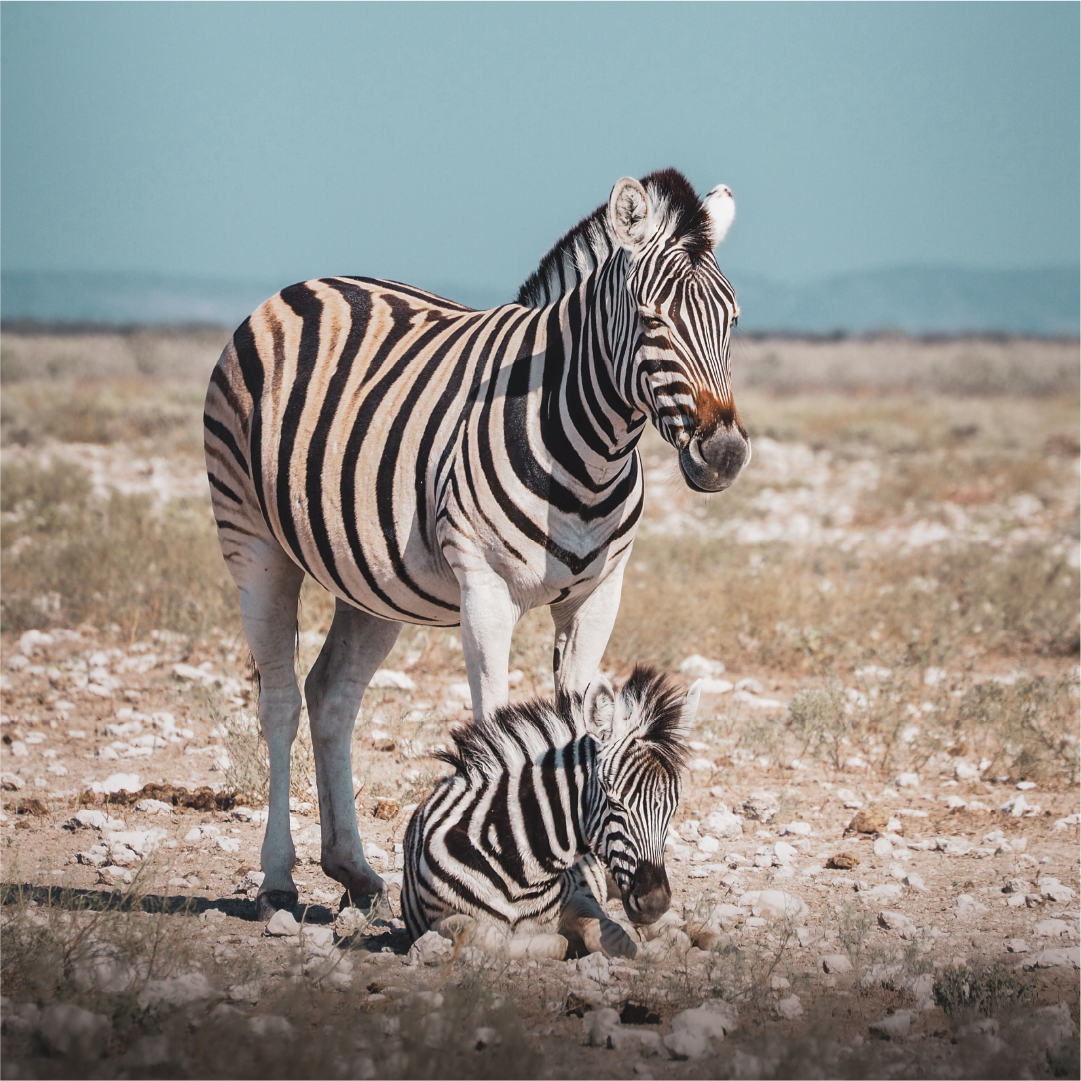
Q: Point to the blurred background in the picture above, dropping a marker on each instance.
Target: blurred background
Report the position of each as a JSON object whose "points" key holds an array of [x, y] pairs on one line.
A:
{"points": [[902, 167]]}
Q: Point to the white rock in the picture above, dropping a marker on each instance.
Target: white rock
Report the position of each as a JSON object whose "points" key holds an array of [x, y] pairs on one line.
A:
{"points": [[1055, 890], [693, 1031], [784, 853], [722, 824], [1068, 822], [799, 829], [914, 881], [1051, 1026], [430, 949], [883, 848], [698, 667], [907, 780], [1016, 806], [789, 1008], [894, 921], [599, 1026], [153, 806], [269, 1024], [1051, 928], [774, 904], [121, 782], [887, 891], [175, 991], [1069, 957], [388, 678], [252, 880], [12, 782], [965, 771], [708, 845], [714, 686], [1016, 945], [967, 905], [228, 844], [894, 1027], [282, 925], [65, 1029]]}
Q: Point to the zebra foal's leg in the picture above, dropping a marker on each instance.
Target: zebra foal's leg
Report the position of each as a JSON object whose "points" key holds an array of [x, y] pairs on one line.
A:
{"points": [[582, 920], [355, 647], [269, 583]]}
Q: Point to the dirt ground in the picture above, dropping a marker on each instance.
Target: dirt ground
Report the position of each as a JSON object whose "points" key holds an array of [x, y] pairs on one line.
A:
{"points": [[883, 846]]}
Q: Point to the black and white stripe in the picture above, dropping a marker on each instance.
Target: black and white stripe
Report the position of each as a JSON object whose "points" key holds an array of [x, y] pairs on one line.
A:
{"points": [[535, 787], [373, 428]]}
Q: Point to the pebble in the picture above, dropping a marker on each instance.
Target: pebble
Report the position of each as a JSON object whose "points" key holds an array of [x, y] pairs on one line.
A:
{"points": [[175, 991], [837, 964], [722, 824], [774, 904], [967, 905], [893, 1027], [1051, 929], [694, 1030], [914, 881], [1061, 958], [1055, 890], [883, 848], [65, 1029], [895, 921], [789, 1008], [1016, 945], [282, 925]]}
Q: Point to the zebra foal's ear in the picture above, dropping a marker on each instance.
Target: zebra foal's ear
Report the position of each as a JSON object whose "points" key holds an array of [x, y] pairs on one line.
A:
{"points": [[689, 709], [630, 214], [599, 708], [721, 208]]}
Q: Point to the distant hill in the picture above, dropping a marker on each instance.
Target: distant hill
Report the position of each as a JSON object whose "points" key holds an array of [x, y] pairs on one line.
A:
{"points": [[915, 300], [919, 300]]}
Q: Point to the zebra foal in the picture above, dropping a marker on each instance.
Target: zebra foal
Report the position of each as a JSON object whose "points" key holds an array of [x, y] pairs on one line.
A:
{"points": [[434, 465], [538, 786]]}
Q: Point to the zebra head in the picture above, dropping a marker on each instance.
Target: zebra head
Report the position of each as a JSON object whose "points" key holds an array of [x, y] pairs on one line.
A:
{"points": [[642, 733], [677, 317]]}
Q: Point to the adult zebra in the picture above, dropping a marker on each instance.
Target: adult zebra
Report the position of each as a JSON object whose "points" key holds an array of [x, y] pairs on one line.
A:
{"points": [[537, 786], [431, 464]]}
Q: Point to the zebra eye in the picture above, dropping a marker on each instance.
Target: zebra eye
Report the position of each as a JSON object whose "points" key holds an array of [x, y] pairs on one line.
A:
{"points": [[651, 322]]}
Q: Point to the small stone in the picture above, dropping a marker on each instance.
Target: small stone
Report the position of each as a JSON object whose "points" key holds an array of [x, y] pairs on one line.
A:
{"points": [[1051, 928], [894, 921], [430, 949], [1054, 890], [282, 925], [12, 782], [775, 904], [1060, 958], [843, 861], [883, 848], [1016, 945], [837, 964], [893, 1027], [870, 819], [386, 808], [914, 881], [967, 905], [789, 1008], [175, 991], [65, 1029], [599, 1025]]}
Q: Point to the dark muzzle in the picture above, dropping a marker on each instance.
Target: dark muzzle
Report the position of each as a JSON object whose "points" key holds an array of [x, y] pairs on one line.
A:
{"points": [[650, 895], [712, 463]]}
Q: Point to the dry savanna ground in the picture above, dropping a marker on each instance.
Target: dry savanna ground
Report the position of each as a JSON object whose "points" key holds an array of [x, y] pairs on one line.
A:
{"points": [[875, 861]]}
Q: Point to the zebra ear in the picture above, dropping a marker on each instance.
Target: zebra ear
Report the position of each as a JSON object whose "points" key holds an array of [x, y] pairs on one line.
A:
{"points": [[690, 706], [721, 207], [630, 214], [599, 708]]}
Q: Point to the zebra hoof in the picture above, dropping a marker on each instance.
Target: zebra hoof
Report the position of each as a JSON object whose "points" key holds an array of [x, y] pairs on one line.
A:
{"points": [[266, 904]]}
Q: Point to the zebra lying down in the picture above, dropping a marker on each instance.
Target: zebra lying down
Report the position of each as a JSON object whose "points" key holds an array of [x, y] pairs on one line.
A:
{"points": [[536, 786]]}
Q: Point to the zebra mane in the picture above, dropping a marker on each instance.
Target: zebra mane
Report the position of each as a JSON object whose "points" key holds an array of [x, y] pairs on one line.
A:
{"points": [[582, 249], [652, 708]]}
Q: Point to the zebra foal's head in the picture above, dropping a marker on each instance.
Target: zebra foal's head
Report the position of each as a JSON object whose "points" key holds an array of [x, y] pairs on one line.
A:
{"points": [[685, 309], [642, 733]]}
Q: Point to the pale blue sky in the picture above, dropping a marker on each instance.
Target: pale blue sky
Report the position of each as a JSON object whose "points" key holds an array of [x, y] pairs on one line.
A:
{"points": [[453, 143]]}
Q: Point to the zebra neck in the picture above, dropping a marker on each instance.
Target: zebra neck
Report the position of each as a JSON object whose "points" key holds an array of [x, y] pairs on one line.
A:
{"points": [[585, 371]]}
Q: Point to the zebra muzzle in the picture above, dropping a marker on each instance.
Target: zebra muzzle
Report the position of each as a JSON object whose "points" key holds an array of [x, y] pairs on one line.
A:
{"points": [[650, 895]]}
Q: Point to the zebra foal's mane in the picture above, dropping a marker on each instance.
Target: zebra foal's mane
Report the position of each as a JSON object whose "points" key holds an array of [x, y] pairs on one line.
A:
{"points": [[513, 734], [589, 243]]}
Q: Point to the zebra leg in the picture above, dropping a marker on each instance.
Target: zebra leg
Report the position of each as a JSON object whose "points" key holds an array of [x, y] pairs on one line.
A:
{"points": [[354, 648], [582, 633], [582, 921], [488, 618], [269, 583]]}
